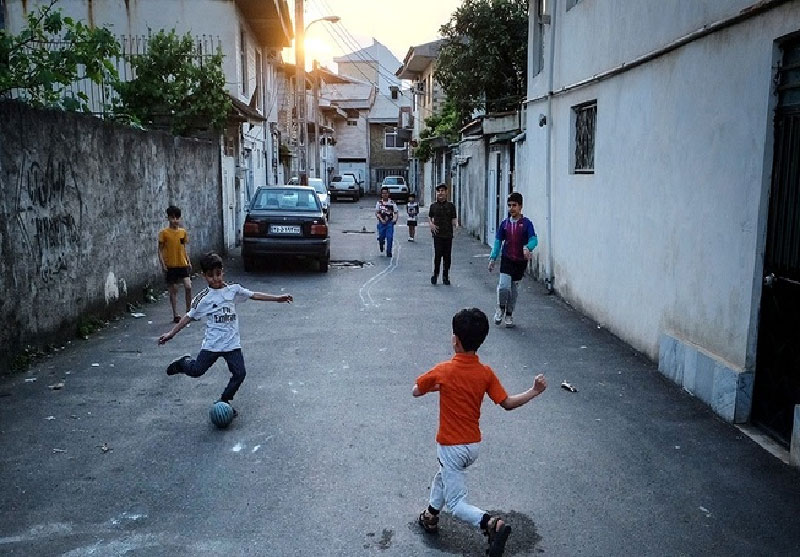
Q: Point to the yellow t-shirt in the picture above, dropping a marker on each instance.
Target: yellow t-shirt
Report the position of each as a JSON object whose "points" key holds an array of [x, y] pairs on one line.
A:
{"points": [[172, 242]]}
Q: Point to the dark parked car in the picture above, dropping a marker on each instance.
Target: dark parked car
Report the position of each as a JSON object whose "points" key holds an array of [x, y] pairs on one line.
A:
{"points": [[285, 221]]}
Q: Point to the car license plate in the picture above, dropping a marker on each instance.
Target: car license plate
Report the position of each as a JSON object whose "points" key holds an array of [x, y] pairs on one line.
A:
{"points": [[284, 229]]}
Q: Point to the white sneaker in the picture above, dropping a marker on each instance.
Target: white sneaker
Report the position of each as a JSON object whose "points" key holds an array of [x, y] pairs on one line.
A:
{"points": [[509, 321], [498, 315]]}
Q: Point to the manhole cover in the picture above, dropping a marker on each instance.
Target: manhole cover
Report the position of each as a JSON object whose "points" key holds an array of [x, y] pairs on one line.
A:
{"points": [[362, 231], [352, 263]]}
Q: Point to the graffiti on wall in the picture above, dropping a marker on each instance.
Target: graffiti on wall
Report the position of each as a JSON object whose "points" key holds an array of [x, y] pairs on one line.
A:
{"points": [[49, 212]]}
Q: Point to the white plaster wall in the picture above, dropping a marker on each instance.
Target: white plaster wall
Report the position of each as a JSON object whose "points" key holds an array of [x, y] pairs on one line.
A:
{"points": [[597, 35], [667, 234]]}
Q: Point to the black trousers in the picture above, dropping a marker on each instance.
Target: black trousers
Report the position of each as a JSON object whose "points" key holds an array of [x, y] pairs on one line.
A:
{"points": [[441, 254]]}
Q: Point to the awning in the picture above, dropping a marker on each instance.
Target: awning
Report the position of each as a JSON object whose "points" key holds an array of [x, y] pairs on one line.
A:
{"points": [[503, 137], [241, 112]]}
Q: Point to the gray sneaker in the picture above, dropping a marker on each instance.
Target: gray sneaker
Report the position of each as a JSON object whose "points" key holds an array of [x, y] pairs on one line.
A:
{"points": [[498, 315], [509, 321]]}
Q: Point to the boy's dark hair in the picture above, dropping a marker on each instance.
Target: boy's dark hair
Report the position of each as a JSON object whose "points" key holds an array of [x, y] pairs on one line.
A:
{"points": [[441, 186], [384, 189], [410, 195], [471, 327], [516, 197], [210, 261], [173, 211]]}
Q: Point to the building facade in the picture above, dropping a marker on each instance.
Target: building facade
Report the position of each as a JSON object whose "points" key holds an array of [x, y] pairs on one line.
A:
{"points": [[656, 158]]}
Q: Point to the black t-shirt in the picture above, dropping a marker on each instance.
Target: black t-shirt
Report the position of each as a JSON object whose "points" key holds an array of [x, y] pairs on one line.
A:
{"points": [[442, 215]]}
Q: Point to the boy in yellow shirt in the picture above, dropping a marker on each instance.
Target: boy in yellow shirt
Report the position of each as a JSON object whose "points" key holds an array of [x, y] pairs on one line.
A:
{"points": [[174, 261]]}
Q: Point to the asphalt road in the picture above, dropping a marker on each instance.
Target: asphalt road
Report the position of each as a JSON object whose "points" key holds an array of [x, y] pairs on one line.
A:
{"points": [[331, 455]]}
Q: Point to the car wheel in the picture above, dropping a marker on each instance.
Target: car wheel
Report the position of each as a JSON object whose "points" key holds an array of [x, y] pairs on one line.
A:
{"points": [[323, 264], [249, 264]]}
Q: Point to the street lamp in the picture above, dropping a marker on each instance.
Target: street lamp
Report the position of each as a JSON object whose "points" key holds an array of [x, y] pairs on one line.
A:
{"points": [[301, 153]]}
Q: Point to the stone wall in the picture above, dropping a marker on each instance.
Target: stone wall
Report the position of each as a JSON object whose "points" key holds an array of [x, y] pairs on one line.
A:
{"points": [[81, 204]]}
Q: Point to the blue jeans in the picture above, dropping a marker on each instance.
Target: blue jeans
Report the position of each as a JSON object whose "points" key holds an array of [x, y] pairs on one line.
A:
{"points": [[206, 358], [386, 234]]}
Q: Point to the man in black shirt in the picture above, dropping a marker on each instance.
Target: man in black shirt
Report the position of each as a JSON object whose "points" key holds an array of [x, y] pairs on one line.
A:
{"points": [[442, 216]]}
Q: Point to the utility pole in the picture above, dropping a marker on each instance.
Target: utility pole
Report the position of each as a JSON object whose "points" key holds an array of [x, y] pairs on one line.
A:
{"points": [[300, 92]]}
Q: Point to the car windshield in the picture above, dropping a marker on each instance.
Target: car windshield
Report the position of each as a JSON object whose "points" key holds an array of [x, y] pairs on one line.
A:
{"points": [[344, 178], [318, 185], [285, 200], [392, 181]]}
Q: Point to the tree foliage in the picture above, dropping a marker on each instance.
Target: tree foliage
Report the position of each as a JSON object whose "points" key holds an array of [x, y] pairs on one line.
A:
{"points": [[445, 124], [176, 86], [483, 61], [50, 54]]}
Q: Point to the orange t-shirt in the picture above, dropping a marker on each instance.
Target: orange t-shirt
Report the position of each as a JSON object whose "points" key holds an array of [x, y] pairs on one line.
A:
{"points": [[462, 383]]}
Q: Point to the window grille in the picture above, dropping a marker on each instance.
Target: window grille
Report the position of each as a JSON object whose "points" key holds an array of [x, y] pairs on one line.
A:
{"points": [[585, 124]]}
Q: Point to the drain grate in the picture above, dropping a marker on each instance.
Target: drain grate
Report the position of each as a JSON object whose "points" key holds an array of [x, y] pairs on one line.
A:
{"points": [[362, 231], [351, 263]]}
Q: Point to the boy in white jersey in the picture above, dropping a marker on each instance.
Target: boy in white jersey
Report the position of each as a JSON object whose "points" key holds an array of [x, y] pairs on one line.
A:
{"points": [[217, 304]]}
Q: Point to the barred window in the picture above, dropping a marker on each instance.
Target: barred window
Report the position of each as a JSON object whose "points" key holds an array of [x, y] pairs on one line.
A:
{"points": [[585, 123]]}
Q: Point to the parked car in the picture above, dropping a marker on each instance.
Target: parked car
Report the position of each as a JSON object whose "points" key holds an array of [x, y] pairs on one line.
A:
{"points": [[322, 193], [398, 189], [359, 182], [285, 221], [344, 186]]}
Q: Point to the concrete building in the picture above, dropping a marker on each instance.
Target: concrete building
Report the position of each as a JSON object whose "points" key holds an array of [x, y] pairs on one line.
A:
{"points": [[354, 99], [250, 33], [388, 152], [418, 68], [662, 180]]}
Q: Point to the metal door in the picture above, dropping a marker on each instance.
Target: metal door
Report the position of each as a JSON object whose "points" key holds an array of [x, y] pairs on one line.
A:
{"points": [[777, 380]]}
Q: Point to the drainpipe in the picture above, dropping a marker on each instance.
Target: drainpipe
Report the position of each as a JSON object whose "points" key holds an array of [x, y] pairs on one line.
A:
{"points": [[548, 281]]}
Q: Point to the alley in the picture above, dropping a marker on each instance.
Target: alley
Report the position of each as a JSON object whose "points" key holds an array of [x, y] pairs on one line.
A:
{"points": [[331, 455]]}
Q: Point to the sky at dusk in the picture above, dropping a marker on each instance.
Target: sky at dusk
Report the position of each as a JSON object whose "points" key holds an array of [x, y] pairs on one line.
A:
{"points": [[398, 24]]}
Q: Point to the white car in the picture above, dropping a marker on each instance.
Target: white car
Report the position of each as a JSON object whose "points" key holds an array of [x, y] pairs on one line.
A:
{"points": [[398, 189], [344, 186], [322, 193]]}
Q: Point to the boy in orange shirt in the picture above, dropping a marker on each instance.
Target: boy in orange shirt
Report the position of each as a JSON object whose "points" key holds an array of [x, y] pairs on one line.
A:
{"points": [[461, 383], [174, 262]]}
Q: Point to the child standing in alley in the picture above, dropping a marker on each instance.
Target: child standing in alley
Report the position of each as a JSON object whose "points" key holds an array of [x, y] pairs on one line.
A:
{"points": [[517, 238], [217, 304], [412, 210], [174, 262], [386, 213], [461, 383]]}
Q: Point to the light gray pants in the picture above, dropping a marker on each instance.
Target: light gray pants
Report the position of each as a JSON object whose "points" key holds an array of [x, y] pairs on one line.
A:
{"points": [[449, 485], [507, 292]]}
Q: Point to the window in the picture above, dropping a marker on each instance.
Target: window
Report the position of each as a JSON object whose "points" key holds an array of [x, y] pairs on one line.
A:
{"points": [[352, 122], [243, 60], [390, 140], [585, 117], [536, 29]]}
